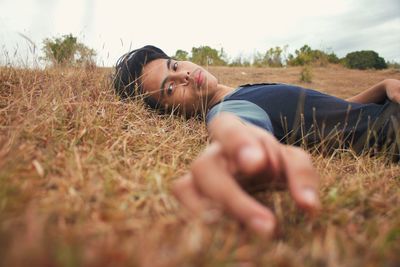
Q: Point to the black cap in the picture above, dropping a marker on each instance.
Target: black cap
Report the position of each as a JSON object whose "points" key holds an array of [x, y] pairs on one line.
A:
{"points": [[129, 69]]}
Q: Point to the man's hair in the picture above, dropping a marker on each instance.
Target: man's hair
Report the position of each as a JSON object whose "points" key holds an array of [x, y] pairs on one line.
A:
{"points": [[128, 71]]}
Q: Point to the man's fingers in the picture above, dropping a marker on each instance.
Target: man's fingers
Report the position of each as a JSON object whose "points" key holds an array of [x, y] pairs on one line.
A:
{"points": [[211, 177], [243, 150], [301, 178], [186, 193], [238, 143]]}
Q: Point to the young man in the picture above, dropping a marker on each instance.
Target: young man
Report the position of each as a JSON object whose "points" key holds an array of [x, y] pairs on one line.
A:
{"points": [[245, 125]]}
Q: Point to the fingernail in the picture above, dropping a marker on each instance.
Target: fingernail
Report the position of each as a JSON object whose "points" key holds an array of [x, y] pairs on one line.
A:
{"points": [[310, 196], [250, 154], [262, 226]]}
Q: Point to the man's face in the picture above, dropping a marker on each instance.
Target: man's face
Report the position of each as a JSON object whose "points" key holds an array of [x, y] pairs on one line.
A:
{"points": [[178, 84]]}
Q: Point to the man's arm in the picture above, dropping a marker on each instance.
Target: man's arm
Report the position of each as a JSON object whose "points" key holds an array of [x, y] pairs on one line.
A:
{"points": [[389, 88], [246, 151]]}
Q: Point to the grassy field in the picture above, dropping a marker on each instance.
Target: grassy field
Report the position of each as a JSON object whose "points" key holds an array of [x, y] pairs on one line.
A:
{"points": [[84, 181]]}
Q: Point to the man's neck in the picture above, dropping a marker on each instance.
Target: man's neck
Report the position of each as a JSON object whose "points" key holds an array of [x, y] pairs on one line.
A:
{"points": [[220, 93]]}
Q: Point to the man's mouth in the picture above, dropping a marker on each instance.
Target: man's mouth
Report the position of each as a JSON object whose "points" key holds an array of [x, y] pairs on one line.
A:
{"points": [[198, 78]]}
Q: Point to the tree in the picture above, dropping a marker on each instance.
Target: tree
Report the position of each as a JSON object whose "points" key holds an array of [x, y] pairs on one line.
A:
{"points": [[67, 51], [258, 60], [306, 55], [205, 55], [333, 58], [240, 61], [181, 55], [303, 56], [365, 59], [273, 57]]}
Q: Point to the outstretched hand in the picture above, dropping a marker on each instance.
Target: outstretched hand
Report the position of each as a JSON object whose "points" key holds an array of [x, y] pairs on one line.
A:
{"points": [[392, 87], [242, 154]]}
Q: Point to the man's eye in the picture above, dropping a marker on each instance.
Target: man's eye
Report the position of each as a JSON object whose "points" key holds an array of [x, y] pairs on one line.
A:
{"points": [[175, 66], [169, 89]]}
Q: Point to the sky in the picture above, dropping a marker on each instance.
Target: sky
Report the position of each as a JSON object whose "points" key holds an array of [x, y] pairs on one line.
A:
{"points": [[240, 27]]}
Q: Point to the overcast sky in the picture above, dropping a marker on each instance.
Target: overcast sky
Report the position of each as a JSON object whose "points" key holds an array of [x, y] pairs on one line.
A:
{"points": [[240, 27]]}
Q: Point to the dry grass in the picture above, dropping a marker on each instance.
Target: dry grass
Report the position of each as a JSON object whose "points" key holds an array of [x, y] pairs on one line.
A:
{"points": [[84, 182]]}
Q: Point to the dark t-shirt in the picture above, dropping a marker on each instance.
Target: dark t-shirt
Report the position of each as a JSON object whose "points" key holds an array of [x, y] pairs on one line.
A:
{"points": [[298, 115]]}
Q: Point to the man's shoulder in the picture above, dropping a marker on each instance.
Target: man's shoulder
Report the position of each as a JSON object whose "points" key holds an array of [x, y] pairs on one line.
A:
{"points": [[245, 110]]}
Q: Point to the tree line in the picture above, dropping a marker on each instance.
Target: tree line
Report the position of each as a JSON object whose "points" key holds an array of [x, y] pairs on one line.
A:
{"points": [[278, 57], [68, 51]]}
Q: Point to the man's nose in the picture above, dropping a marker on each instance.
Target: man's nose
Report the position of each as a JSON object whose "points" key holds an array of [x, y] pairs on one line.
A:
{"points": [[182, 76]]}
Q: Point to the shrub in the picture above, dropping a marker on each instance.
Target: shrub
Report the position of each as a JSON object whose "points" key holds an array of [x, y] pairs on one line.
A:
{"points": [[366, 59], [67, 51], [306, 74]]}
